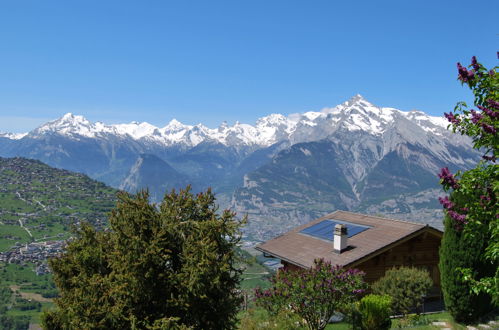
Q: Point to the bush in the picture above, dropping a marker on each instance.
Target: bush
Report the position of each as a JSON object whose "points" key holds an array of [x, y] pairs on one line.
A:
{"points": [[50, 294], [314, 294], [26, 305], [374, 312], [406, 285]]}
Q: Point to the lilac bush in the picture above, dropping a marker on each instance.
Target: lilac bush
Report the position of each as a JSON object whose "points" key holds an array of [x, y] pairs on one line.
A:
{"points": [[473, 201], [314, 294]]}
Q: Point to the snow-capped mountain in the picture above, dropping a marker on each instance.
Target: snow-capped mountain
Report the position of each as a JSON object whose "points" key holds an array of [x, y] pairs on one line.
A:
{"points": [[282, 170], [353, 115]]}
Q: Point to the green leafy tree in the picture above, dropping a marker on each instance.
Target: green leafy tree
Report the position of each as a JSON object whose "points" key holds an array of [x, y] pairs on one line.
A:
{"points": [[172, 266], [314, 294], [406, 285], [472, 207]]}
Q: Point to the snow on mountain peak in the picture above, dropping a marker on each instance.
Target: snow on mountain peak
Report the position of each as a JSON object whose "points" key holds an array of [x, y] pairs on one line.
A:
{"points": [[13, 136], [175, 124], [355, 114], [134, 129], [356, 98], [68, 124]]}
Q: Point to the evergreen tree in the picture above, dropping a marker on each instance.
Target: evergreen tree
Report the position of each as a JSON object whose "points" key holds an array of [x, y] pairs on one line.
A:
{"points": [[171, 266], [459, 251]]}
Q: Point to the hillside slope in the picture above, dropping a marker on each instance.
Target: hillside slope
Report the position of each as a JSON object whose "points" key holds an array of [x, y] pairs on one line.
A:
{"points": [[40, 203]]}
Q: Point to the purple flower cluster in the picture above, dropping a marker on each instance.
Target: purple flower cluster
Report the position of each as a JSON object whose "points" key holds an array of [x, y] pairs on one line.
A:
{"points": [[459, 219], [491, 113], [475, 117], [493, 104], [448, 178], [446, 203], [484, 201], [488, 128], [259, 293], [464, 74], [451, 118], [485, 198], [475, 64]]}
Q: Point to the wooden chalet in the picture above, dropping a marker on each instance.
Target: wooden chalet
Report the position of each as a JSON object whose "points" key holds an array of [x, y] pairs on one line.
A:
{"points": [[371, 244]]}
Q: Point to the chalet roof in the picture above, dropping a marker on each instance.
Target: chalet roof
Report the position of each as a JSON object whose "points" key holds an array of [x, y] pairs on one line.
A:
{"points": [[301, 249]]}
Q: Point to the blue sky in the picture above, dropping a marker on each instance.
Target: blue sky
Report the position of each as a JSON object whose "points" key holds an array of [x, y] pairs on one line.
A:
{"points": [[209, 61]]}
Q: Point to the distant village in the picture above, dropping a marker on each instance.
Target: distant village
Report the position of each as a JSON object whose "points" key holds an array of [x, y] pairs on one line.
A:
{"points": [[45, 202], [34, 252]]}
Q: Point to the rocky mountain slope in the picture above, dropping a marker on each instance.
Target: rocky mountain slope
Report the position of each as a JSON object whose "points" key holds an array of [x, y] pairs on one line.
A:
{"points": [[283, 170], [152, 172]]}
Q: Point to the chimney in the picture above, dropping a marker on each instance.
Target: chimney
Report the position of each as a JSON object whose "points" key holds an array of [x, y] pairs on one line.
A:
{"points": [[340, 238]]}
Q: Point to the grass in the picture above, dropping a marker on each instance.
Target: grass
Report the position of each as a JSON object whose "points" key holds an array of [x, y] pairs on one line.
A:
{"points": [[34, 314], [339, 326], [13, 274], [10, 203], [255, 274], [259, 315], [400, 324], [28, 282], [15, 231], [252, 283], [50, 231]]}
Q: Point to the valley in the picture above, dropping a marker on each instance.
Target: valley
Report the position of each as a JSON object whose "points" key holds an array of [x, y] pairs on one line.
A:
{"points": [[283, 171]]}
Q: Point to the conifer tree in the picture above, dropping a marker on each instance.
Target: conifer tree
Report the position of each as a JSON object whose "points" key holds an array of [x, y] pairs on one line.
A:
{"points": [[459, 251], [171, 266]]}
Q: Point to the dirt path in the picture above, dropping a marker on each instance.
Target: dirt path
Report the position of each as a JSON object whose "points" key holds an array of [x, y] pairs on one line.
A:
{"points": [[22, 226], [30, 295]]}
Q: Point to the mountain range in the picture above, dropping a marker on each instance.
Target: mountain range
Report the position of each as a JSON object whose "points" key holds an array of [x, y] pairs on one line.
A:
{"points": [[282, 171]]}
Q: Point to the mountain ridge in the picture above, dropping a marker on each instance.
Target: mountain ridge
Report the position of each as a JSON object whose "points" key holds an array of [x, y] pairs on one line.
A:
{"points": [[355, 114]]}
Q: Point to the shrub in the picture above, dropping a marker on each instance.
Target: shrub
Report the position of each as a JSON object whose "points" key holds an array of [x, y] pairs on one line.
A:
{"points": [[406, 285], [374, 312], [314, 294]]}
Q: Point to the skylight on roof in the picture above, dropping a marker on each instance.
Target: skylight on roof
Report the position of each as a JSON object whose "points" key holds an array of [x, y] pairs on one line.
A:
{"points": [[325, 229]]}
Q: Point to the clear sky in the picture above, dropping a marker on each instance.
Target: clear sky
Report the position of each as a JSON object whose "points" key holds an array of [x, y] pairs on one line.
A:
{"points": [[210, 61]]}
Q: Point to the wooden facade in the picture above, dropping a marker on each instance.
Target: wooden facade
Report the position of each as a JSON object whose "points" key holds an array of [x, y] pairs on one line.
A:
{"points": [[420, 252]]}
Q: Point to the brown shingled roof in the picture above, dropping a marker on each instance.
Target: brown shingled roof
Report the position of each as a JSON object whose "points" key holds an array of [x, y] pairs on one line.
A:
{"points": [[301, 249]]}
